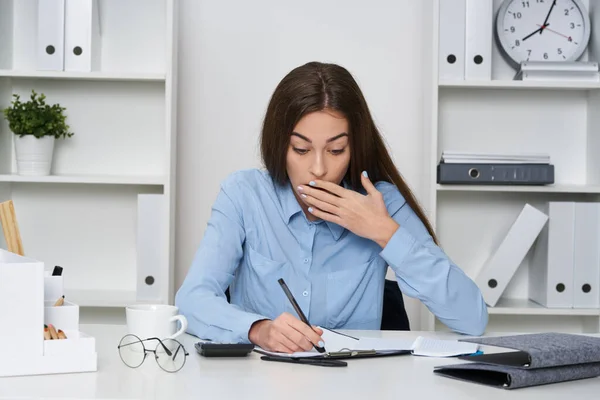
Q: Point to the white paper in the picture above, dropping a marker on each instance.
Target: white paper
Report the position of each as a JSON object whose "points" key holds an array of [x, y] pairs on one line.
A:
{"points": [[442, 348], [336, 342]]}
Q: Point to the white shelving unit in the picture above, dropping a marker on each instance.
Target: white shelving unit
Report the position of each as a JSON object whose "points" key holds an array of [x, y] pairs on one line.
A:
{"points": [[83, 217], [504, 115]]}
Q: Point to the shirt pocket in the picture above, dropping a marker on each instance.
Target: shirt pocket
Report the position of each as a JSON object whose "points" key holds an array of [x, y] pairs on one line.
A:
{"points": [[261, 289], [353, 295]]}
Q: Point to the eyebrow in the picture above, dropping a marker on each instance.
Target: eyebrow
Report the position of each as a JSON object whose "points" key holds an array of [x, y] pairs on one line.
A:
{"points": [[336, 137]]}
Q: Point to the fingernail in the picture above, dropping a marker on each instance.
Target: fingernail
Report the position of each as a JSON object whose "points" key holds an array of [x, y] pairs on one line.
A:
{"points": [[303, 195], [321, 344], [310, 209], [300, 188], [365, 174], [312, 183]]}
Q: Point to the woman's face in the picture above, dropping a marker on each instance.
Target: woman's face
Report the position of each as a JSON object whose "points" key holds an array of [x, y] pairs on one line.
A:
{"points": [[319, 149]]}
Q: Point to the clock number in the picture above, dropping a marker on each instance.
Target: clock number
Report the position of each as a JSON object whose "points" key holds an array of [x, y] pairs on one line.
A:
{"points": [[539, 1], [570, 39], [545, 56], [525, 4], [517, 15], [566, 11], [560, 51], [528, 52], [572, 25], [512, 29], [517, 42]]}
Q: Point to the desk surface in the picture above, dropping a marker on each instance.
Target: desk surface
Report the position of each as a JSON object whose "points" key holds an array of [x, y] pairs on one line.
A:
{"points": [[218, 378]]}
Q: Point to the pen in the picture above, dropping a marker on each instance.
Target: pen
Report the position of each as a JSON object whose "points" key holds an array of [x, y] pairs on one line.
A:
{"points": [[308, 361], [298, 310]]}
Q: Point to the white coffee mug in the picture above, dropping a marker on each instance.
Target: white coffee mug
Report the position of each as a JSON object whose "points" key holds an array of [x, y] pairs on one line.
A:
{"points": [[154, 320]]}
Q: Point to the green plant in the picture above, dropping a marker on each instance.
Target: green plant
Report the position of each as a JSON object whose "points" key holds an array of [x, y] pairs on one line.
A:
{"points": [[35, 117]]}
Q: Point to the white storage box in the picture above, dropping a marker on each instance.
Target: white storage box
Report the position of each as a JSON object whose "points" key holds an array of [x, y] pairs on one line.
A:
{"points": [[65, 317], [23, 283]]}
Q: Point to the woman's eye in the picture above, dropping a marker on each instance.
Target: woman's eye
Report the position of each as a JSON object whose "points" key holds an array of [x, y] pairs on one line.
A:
{"points": [[337, 152], [300, 151]]}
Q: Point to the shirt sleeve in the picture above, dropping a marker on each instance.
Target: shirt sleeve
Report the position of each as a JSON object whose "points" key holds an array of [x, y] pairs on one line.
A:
{"points": [[425, 272], [201, 297]]}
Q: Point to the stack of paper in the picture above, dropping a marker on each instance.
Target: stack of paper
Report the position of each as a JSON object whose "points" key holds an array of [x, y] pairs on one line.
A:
{"points": [[422, 346], [460, 157]]}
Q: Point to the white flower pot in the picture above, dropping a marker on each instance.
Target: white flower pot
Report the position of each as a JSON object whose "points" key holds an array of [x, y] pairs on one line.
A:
{"points": [[34, 156]]}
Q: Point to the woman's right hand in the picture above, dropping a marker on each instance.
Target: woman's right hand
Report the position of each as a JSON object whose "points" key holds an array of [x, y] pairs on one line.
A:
{"points": [[285, 334]]}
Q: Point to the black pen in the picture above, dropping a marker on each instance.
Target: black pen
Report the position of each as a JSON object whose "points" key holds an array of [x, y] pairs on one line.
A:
{"points": [[309, 361], [298, 310]]}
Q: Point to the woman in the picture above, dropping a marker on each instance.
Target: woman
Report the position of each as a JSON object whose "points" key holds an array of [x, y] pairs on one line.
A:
{"points": [[328, 215]]}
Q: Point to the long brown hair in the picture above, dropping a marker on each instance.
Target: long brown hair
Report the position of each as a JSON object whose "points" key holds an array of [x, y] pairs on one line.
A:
{"points": [[317, 86]]}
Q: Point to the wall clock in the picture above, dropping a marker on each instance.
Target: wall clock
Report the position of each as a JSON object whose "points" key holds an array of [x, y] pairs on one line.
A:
{"points": [[542, 30]]}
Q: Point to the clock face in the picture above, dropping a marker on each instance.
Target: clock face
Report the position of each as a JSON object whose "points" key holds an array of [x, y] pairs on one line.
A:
{"points": [[543, 30]]}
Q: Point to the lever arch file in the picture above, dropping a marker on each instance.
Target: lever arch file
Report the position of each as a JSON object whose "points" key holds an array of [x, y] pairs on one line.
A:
{"points": [[50, 35], [501, 266], [499, 174], [82, 35], [452, 40], [533, 359]]}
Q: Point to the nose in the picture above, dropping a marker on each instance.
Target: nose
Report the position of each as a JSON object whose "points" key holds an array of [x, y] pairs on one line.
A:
{"points": [[318, 167]]}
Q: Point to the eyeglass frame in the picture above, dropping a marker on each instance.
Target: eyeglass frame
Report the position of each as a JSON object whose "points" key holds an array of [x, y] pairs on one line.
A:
{"points": [[146, 351]]}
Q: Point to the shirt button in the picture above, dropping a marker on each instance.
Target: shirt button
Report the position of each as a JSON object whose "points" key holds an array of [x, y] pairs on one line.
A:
{"points": [[306, 260], [305, 293]]}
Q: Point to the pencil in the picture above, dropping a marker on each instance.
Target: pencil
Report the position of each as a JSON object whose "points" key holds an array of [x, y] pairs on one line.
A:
{"points": [[61, 334], [47, 334], [52, 331], [60, 301]]}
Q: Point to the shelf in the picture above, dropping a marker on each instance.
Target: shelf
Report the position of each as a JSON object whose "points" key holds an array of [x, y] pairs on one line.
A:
{"points": [[96, 75], [528, 307], [87, 179], [584, 189], [101, 298], [509, 84]]}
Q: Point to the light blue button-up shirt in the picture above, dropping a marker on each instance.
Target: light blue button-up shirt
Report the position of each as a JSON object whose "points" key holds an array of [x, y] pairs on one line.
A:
{"points": [[257, 233]]}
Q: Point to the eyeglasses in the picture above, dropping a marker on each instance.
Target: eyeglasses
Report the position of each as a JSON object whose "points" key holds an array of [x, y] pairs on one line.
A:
{"points": [[170, 355]]}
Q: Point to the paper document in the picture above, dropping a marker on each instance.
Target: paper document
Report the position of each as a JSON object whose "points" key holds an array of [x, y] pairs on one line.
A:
{"points": [[337, 342]]}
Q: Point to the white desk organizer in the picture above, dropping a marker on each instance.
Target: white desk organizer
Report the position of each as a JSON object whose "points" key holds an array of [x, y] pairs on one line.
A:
{"points": [[27, 297]]}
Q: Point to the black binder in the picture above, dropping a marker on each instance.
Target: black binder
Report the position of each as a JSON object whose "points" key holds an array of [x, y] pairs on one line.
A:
{"points": [[495, 174], [535, 359]]}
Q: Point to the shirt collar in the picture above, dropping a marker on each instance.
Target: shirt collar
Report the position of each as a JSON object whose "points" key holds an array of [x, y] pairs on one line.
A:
{"points": [[291, 207]]}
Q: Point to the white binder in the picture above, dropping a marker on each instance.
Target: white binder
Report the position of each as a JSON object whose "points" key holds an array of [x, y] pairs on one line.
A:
{"points": [[478, 39], [500, 267], [151, 232], [82, 35], [50, 35], [586, 256], [551, 268], [452, 15]]}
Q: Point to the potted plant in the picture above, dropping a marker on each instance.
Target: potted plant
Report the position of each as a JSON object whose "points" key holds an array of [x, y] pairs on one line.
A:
{"points": [[36, 126]]}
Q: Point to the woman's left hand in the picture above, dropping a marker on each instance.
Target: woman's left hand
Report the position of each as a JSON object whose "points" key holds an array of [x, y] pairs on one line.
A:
{"points": [[365, 215]]}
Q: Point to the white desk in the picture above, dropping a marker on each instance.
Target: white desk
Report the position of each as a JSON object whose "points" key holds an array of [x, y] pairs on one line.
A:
{"points": [[402, 377]]}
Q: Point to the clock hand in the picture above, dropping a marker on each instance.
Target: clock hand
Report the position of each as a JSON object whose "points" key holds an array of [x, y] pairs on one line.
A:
{"points": [[558, 33], [533, 33], [545, 24]]}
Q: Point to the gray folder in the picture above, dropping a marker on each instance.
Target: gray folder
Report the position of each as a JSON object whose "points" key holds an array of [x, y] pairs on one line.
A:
{"points": [[535, 359], [495, 174]]}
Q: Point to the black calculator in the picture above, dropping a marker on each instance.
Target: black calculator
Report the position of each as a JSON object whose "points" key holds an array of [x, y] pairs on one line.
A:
{"points": [[208, 349]]}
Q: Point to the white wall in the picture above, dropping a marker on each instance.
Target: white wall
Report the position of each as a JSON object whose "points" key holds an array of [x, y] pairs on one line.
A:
{"points": [[233, 54]]}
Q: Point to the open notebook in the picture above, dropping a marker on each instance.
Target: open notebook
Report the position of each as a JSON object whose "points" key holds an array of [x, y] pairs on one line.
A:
{"points": [[336, 342]]}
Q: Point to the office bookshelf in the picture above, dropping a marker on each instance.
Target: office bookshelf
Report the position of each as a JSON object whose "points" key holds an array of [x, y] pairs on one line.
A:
{"points": [[505, 115], [83, 216]]}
